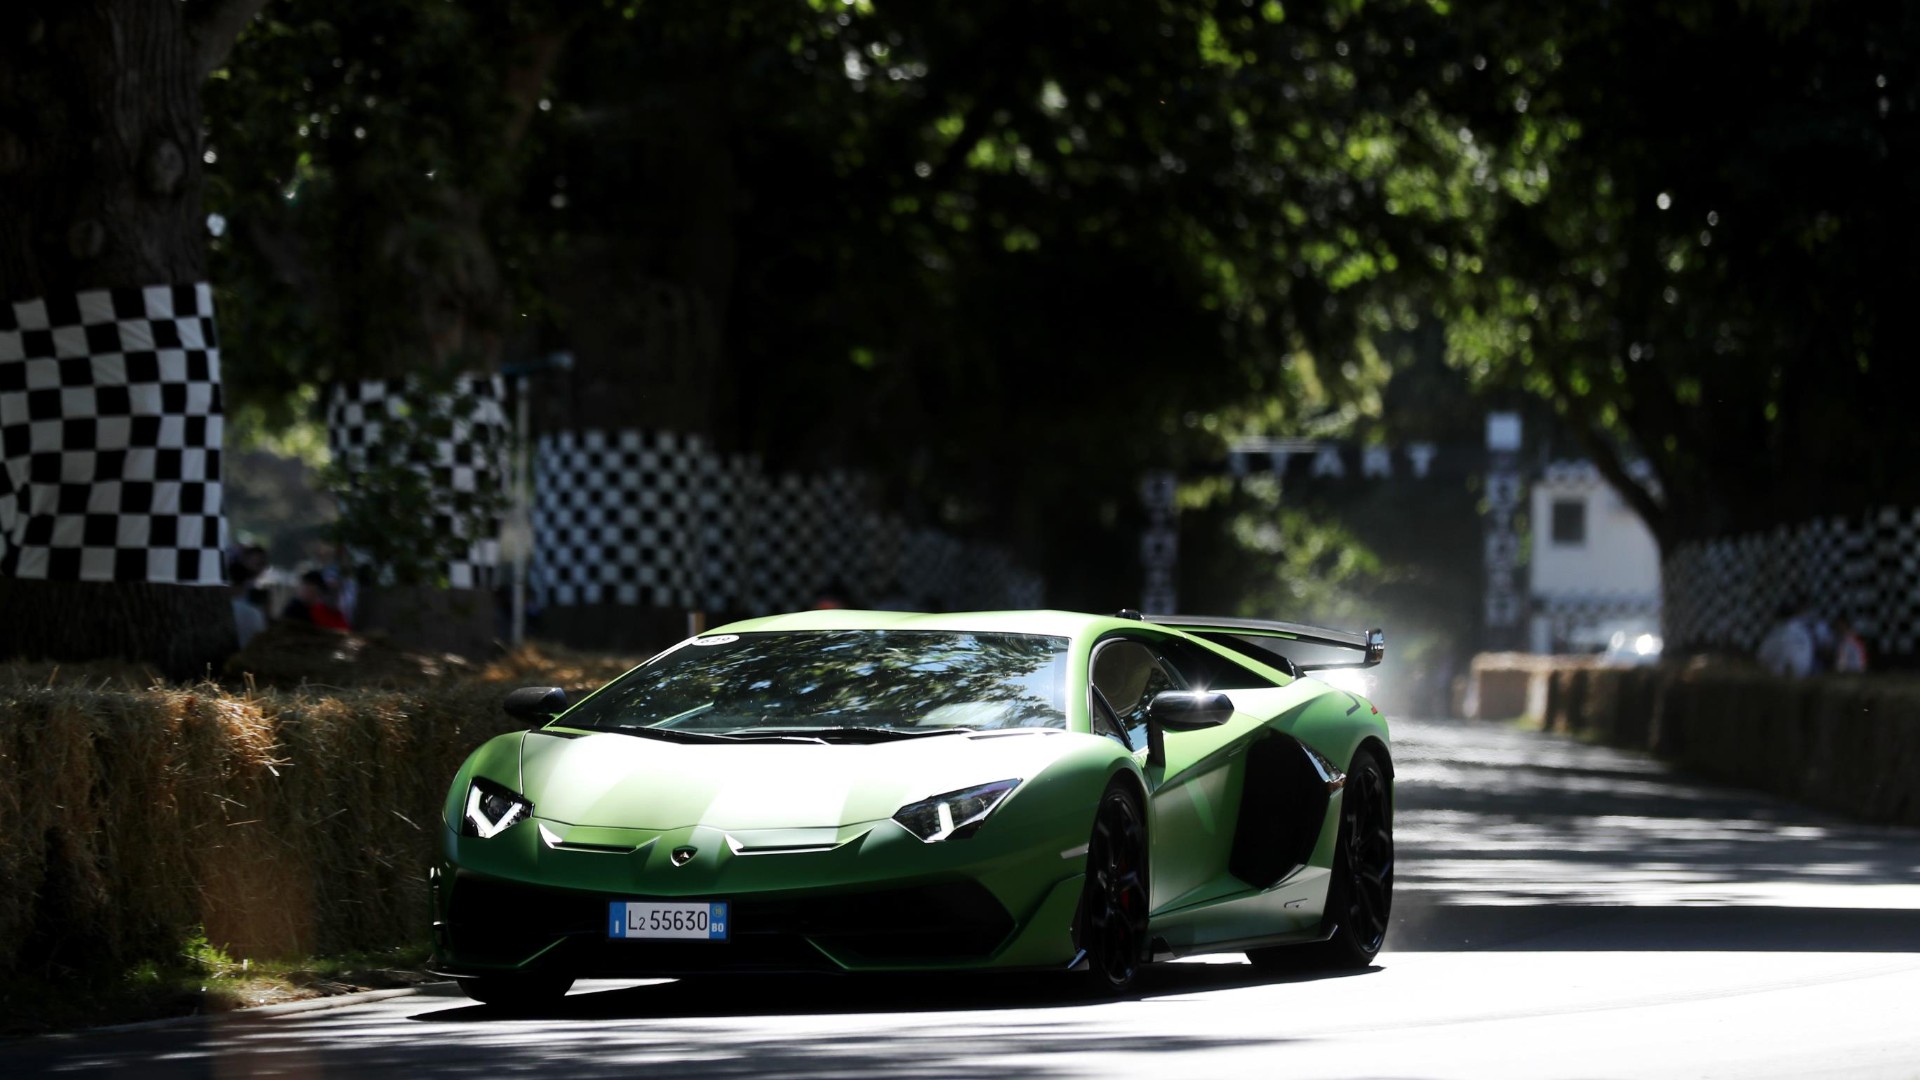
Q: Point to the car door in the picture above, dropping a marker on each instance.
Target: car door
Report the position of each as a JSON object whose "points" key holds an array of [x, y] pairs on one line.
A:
{"points": [[1192, 794]]}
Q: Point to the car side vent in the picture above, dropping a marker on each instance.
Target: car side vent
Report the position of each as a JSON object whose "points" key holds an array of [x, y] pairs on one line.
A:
{"points": [[1283, 803]]}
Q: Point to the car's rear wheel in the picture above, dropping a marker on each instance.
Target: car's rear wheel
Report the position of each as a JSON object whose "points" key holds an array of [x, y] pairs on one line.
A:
{"points": [[516, 991], [1112, 924], [1360, 892]]}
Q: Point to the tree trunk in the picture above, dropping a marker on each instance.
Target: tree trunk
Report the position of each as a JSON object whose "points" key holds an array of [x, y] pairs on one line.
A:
{"points": [[182, 630], [110, 501]]}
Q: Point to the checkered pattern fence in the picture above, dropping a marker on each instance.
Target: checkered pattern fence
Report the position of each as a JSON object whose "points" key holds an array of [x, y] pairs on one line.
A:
{"points": [[655, 519], [470, 461], [110, 436], [1726, 593], [1567, 613], [616, 517]]}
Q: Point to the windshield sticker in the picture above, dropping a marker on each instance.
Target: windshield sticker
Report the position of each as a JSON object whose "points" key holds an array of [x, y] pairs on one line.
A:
{"points": [[721, 639]]}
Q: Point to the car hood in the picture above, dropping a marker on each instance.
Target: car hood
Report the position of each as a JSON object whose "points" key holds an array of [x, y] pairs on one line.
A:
{"points": [[626, 781]]}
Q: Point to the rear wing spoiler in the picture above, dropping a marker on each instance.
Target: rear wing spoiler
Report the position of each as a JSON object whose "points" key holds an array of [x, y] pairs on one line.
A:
{"points": [[1372, 644]]}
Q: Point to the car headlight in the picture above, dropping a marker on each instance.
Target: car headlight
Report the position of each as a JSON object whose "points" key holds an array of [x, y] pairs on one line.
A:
{"points": [[491, 809], [955, 815]]}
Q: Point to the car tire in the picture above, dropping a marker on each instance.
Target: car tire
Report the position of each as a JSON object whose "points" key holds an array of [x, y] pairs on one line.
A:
{"points": [[516, 991], [1111, 926], [1360, 888]]}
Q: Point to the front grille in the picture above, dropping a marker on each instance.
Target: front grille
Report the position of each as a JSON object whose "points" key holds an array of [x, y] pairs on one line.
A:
{"points": [[502, 922]]}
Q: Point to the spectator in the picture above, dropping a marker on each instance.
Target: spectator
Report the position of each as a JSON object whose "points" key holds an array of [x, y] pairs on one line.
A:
{"points": [[834, 596], [1849, 648], [1821, 630], [1788, 647], [343, 592], [244, 567], [315, 604]]}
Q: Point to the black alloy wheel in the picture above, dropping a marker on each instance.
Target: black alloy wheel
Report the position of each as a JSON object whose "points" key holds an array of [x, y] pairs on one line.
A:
{"points": [[516, 991], [1360, 889], [1112, 927]]}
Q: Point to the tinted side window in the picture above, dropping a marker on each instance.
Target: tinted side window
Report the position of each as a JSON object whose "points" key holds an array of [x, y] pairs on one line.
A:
{"points": [[1204, 669], [1103, 722], [1128, 675]]}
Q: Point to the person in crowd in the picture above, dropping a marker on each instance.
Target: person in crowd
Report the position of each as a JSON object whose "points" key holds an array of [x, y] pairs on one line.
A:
{"points": [[315, 604], [244, 567], [834, 595], [343, 591], [1849, 648], [1788, 648], [1821, 629]]}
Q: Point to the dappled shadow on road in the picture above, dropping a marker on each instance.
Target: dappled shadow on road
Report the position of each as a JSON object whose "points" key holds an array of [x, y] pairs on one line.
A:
{"points": [[1013, 1027], [1517, 840], [872, 994]]}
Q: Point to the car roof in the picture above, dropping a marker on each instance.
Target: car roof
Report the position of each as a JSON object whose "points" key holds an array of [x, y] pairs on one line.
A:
{"points": [[1068, 624]]}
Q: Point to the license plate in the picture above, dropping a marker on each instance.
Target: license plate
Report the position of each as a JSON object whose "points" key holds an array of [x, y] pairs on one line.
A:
{"points": [[680, 920]]}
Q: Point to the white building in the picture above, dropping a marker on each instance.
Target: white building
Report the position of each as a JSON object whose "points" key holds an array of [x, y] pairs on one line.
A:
{"points": [[1595, 566]]}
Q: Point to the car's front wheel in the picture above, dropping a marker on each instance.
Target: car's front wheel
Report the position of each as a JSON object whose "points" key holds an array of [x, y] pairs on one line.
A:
{"points": [[516, 991], [1112, 926]]}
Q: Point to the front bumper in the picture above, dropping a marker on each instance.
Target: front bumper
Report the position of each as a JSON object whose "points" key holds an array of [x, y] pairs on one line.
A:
{"points": [[869, 897]]}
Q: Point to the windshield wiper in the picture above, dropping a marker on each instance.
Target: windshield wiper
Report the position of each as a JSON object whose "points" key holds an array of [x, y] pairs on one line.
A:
{"points": [[669, 734], [681, 735], [854, 733]]}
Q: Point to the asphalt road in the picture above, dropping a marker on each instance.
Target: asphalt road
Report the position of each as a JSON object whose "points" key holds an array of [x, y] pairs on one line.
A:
{"points": [[1563, 911]]}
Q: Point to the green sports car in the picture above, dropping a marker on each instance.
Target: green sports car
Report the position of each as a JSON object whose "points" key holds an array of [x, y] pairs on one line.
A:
{"points": [[877, 791]]}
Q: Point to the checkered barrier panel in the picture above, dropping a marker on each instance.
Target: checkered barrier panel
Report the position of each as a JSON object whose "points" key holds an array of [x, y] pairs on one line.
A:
{"points": [[470, 460], [886, 545], [993, 580], [110, 437], [931, 570], [726, 508], [656, 519], [1726, 593], [1568, 612], [617, 517], [788, 545]]}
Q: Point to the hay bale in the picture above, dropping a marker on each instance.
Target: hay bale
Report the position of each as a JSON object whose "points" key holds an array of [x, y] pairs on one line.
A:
{"points": [[285, 820]]}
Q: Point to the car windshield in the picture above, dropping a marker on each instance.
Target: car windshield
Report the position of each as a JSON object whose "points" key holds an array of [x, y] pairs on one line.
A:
{"points": [[837, 686]]}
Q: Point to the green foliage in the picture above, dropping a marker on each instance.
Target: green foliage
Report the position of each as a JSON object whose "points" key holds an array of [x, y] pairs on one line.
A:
{"points": [[203, 956], [1059, 246], [1007, 258], [393, 510], [1694, 259], [365, 160]]}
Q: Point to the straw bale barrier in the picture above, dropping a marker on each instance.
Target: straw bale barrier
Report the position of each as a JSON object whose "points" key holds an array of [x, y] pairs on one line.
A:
{"points": [[285, 822], [1845, 743]]}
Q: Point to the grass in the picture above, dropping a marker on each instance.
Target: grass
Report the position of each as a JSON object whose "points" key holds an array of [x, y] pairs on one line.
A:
{"points": [[200, 979]]}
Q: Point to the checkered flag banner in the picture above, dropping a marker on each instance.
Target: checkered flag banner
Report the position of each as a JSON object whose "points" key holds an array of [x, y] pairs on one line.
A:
{"points": [[1726, 593], [468, 464], [657, 519], [616, 517], [110, 436]]}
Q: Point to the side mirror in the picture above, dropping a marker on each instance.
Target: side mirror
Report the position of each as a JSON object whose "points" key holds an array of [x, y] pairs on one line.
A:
{"points": [[1182, 710], [536, 704], [1188, 710]]}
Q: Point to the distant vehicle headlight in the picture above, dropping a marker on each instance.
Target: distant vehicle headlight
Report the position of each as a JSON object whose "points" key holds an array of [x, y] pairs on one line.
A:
{"points": [[955, 815], [492, 809]]}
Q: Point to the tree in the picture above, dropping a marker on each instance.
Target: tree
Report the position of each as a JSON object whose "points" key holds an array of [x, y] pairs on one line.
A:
{"points": [[109, 499], [1005, 258], [370, 162], [1704, 262]]}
